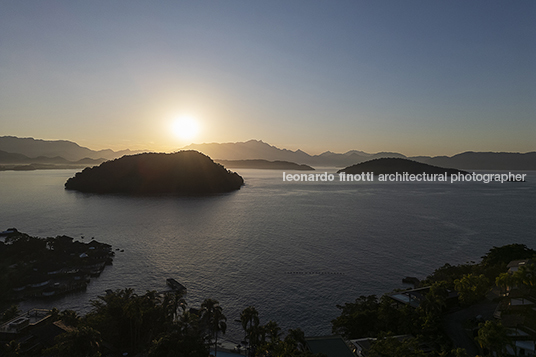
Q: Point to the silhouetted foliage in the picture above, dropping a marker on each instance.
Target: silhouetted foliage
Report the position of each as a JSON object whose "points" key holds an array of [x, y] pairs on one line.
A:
{"points": [[130, 320], [80, 342], [213, 320], [26, 260], [507, 253], [472, 288], [493, 338], [181, 173], [447, 274], [12, 312], [390, 346], [70, 317], [368, 316], [249, 318], [179, 344]]}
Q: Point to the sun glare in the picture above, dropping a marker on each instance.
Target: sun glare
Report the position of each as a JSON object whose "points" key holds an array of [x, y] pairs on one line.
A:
{"points": [[185, 127]]}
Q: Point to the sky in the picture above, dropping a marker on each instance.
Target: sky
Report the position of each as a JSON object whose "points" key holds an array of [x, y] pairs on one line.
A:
{"points": [[417, 77]]}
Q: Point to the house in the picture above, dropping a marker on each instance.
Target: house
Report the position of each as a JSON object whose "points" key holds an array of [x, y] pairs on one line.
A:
{"points": [[414, 297], [515, 265], [411, 297], [516, 311]]}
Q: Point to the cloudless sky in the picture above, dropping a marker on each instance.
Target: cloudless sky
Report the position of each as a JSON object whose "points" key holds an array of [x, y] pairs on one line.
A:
{"points": [[417, 77]]}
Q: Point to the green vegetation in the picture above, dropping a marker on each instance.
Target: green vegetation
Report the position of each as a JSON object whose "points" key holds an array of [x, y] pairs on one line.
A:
{"points": [[390, 346], [161, 324], [492, 337], [383, 318]]}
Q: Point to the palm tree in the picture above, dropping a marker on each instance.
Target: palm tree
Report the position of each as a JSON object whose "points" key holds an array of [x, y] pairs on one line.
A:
{"points": [[55, 314], [527, 275], [493, 336], [70, 317], [172, 302], [273, 331], [82, 342], [187, 323], [506, 281], [296, 338], [214, 319], [250, 323]]}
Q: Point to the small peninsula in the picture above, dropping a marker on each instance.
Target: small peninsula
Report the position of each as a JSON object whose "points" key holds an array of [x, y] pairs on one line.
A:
{"points": [[33, 267], [184, 173], [391, 165], [264, 164]]}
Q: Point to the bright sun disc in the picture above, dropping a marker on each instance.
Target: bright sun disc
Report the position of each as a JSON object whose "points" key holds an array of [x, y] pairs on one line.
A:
{"points": [[185, 128]]}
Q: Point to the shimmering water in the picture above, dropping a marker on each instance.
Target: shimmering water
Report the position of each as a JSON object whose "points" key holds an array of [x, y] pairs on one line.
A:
{"points": [[293, 250]]}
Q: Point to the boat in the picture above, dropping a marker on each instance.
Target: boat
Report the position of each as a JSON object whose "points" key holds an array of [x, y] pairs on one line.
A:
{"points": [[175, 285]]}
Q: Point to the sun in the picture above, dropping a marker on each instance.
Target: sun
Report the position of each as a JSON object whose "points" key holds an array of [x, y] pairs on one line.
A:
{"points": [[185, 127]]}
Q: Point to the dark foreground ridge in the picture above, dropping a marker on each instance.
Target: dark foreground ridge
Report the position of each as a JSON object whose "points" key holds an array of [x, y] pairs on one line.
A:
{"points": [[391, 165], [183, 173], [39, 268]]}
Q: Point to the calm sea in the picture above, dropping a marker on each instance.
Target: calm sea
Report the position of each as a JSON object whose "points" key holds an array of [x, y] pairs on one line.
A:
{"points": [[294, 250]]}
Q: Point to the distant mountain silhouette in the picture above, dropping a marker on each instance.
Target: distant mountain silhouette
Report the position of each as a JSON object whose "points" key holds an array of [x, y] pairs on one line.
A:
{"points": [[10, 161], [485, 161], [68, 150], [263, 164], [181, 173], [254, 149], [11, 158], [394, 165]]}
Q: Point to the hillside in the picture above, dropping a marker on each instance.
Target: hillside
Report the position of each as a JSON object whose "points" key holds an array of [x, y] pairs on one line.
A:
{"points": [[263, 164], [486, 161], [50, 152], [181, 173], [255, 149], [394, 165], [10, 161], [68, 150]]}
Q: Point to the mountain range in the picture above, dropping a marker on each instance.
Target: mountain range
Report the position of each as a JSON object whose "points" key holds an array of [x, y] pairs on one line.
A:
{"points": [[256, 149], [68, 150], [14, 150]]}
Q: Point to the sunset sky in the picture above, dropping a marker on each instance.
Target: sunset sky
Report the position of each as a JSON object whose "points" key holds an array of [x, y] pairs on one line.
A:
{"points": [[415, 77]]}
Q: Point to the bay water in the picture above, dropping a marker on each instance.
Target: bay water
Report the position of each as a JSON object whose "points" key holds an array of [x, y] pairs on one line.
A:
{"points": [[294, 250]]}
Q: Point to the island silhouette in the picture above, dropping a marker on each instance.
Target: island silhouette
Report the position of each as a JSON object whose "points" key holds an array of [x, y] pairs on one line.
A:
{"points": [[182, 173], [392, 165]]}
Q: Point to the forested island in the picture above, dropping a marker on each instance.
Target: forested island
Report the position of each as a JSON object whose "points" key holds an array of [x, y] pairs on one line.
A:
{"points": [[470, 309], [264, 164], [182, 173], [392, 165]]}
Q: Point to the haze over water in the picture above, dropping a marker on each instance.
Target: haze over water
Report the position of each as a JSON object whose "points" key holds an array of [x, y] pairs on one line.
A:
{"points": [[293, 250]]}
